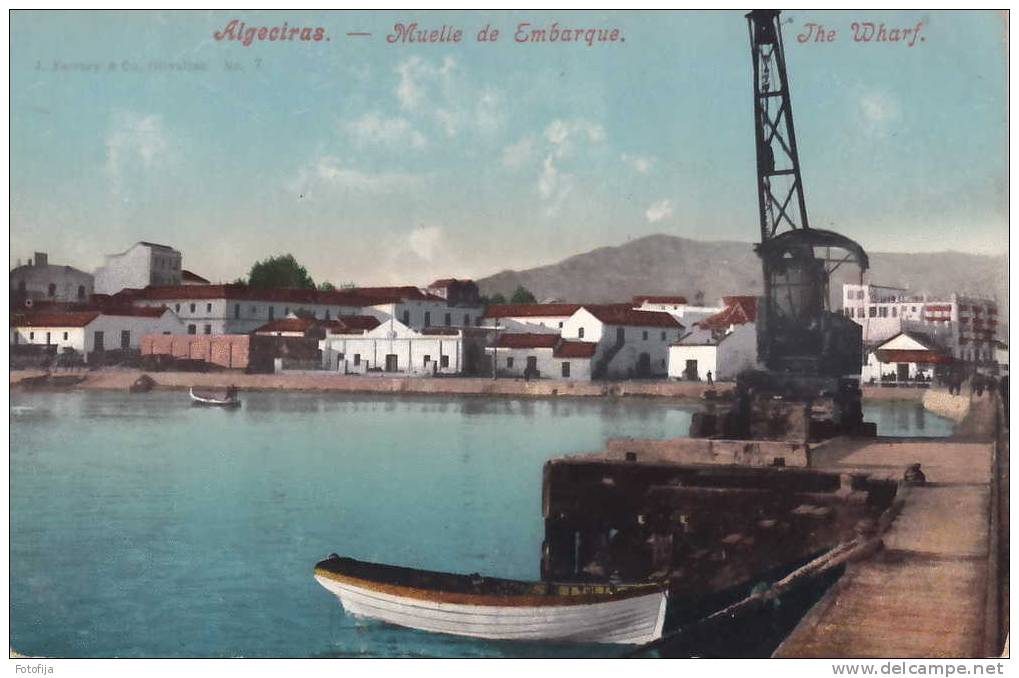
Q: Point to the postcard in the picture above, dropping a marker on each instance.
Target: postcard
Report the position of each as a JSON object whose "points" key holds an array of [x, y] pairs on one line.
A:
{"points": [[509, 334]]}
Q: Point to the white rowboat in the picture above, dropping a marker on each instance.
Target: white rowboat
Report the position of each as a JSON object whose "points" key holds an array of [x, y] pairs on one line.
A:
{"points": [[207, 399], [499, 609]]}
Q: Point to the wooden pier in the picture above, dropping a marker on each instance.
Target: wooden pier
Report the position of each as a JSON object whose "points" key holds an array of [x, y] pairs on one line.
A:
{"points": [[934, 589]]}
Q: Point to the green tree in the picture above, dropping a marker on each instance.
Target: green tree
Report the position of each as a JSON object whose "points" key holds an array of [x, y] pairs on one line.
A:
{"points": [[522, 296], [281, 271], [496, 298], [326, 286]]}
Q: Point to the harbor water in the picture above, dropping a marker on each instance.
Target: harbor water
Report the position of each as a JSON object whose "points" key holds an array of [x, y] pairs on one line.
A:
{"points": [[144, 527]]}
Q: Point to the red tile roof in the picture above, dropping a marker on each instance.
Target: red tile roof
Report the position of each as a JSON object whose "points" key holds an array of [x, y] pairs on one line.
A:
{"points": [[193, 277], [439, 331], [575, 349], [529, 310], [738, 311], [623, 314], [356, 297], [55, 319], [888, 355], [661, 299], [353, 323], [521, 340]]}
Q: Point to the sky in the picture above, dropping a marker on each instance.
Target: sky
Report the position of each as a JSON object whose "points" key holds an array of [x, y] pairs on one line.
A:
{"points": [[378, 162]]}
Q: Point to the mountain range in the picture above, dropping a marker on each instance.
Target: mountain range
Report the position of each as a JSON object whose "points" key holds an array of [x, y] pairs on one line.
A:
{"points": [[666, 264]]}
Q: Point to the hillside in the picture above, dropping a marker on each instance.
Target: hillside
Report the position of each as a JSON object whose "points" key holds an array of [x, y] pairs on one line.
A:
{"points": [[665, 264]]}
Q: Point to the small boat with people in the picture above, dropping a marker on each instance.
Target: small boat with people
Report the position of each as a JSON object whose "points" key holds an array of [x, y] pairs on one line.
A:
{"points": [[497, 609], [229, 399]]}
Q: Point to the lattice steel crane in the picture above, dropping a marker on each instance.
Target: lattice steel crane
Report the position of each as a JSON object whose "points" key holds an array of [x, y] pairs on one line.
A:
{"points": [[797, 332]]}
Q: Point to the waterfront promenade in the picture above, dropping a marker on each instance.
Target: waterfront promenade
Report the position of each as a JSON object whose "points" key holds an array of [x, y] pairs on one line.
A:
{"points": [[933, 591], [120, 379]]}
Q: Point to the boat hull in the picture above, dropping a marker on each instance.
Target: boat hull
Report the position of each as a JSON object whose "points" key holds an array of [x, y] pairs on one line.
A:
{"points": [[212, 402], [632, 620]]}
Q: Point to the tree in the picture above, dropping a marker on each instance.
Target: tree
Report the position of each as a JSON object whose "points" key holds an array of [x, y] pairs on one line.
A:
{"points": [[281, 271], [496, 298], [522, 296], [326, 286]]}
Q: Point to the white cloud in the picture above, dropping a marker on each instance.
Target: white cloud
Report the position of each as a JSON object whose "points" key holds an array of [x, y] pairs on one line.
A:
{"points": [[659, 210], [373, 128], [638, 163], [878, 110], [439, 93], [134, 142], [424, 241], [519, 154], [329, 172], [563, 140]]}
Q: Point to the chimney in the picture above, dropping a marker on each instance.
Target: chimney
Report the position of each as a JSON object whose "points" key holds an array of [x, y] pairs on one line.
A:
{"points": [[41, 259]]}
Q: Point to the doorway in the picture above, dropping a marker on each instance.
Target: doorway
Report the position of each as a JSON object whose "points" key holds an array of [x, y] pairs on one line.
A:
{"points": [[392, 362], [644, 365]]}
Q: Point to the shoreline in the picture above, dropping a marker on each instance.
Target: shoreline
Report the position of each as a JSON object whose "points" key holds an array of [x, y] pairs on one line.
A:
{"points": [[121, 379]]}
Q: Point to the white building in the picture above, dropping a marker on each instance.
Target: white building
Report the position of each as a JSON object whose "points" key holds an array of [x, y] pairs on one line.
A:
{"points": [[965, 326], [141, 265], [523, 318], [906, 357], [724, 344], [394, 348], [239, 309], [630, 343], [678, 306], [542, 355], [88, 332], [40, 280]]}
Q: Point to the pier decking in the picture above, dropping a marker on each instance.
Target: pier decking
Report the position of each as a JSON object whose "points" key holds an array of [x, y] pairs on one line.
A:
{"points": [[931, 592]]}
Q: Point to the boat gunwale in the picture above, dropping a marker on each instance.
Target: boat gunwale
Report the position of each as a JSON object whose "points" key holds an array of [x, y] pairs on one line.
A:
{"points": [[551, 598]]}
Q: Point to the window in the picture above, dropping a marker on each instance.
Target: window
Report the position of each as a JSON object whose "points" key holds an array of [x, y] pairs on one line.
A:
{"points": [[272, 312], [47, 338], [328, 316], [286, 310], [406, 316], [448, 320], [192, 329], [31, 336], [176, 308], [125, 339], [51, 290], [428, 318], [560, 324], [859, 295], [191, 308], [872, 312], [663, 336], [467, 320], [509, 362], [883, 312], [895, 312], [580, 332], [208, 308], [339, 356], [643, 335], [444, 361], [207, 329], [566, 369], [427, 360], [237, 310], [357, 359], [849, 312], [81, 291], [254, 310], [99, 341], [65, 336]]}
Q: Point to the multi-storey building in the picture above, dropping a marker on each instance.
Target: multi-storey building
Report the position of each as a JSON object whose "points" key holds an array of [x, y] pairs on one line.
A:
{"points": [[964, 326], [141, 265], [40, 280]]}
